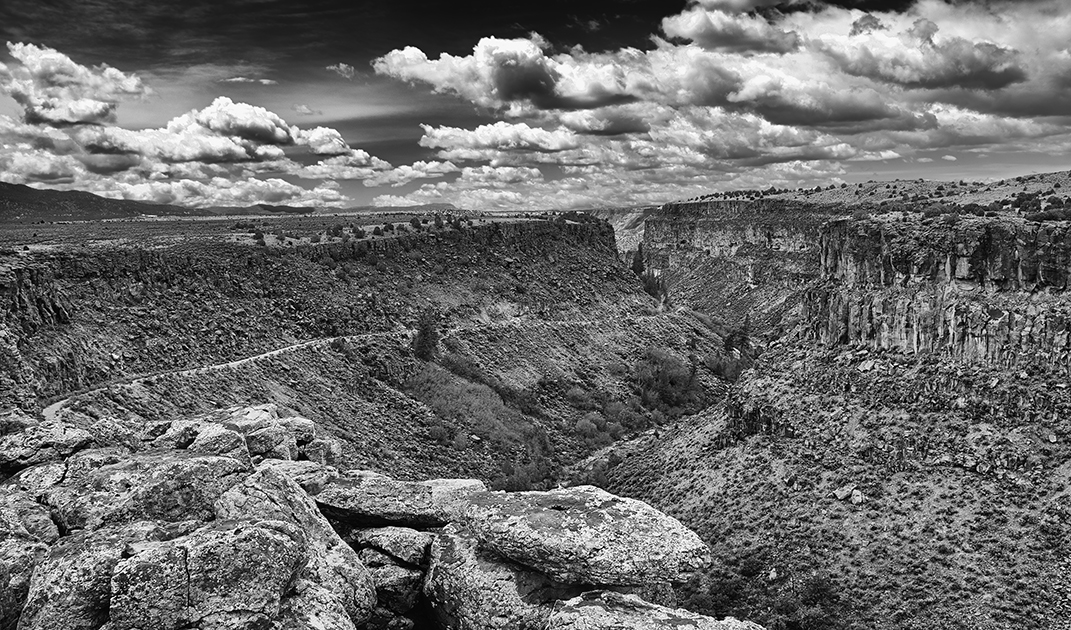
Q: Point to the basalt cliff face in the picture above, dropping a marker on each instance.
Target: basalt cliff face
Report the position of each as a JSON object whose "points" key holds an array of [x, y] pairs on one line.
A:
{"points": [[977, 289], [736, 259]]}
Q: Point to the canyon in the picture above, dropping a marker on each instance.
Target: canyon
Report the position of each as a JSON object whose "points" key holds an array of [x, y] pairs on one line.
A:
{"points": [[860, 410]]}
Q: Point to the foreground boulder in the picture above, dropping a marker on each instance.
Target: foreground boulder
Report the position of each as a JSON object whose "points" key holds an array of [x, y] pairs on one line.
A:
{"points": [[269, 494], [70, 587], [585, 535], [369, 499], [470, 589], [232, 574], [604, 610]]}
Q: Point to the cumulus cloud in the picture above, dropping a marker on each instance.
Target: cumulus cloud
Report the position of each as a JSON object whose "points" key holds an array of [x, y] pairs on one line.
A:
{"points": [[401, 175], [501, 72], [25, 165], [224, 131], [52, 88], [324, 141], [718, 30], [917, 58], [221, 191], [344, 70], [949, 158], [355, 164], [500, 135]]}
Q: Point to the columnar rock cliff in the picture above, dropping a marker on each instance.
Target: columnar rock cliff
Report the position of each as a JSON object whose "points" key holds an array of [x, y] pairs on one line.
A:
{"points": [[981, 289]]}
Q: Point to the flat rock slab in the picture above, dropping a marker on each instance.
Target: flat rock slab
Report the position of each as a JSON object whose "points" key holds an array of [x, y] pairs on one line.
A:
{"points": [[602, 610], [585, 535], [371, 500]]}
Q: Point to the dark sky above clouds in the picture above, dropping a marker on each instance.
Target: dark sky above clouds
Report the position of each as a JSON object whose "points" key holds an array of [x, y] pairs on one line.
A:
{"points": [[564, 103]]}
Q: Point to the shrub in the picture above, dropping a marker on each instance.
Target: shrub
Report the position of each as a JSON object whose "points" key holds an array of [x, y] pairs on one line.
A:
{"points": [[665, 383], [415, 222], [426, 340]]}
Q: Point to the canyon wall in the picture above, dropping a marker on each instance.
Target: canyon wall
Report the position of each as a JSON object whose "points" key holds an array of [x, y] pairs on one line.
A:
{"points": [[980, 289], [736, 259]]}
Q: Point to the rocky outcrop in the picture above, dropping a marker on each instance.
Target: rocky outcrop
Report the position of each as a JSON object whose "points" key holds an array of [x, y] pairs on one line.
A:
{"points": [[586, 535], [196, 525]]}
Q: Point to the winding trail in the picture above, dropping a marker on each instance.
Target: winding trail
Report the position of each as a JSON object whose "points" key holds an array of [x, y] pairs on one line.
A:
{"points": [[53, 409]]}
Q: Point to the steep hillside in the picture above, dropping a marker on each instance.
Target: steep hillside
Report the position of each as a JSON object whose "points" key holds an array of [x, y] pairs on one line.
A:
{"points": [[900, 458], [548, 345]]}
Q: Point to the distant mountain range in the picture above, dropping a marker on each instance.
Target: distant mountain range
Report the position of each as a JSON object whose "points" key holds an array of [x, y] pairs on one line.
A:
{"points": [[19, 203]]}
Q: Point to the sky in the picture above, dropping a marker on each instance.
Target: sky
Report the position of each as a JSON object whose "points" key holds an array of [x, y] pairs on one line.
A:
{"points": [[493, 105]]}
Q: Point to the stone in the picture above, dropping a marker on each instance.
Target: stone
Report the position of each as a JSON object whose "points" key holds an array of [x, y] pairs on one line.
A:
{"points": [[311, 476], [18, 557], [404, 545], [397, 588], [383, 619], [323, 450], [604, 610], [165, 486], [22, 517], [70, 586], [844, 492], [14, 421], [249, 419], [373, 558], [857, 497], [585, 535], [303, 429], [470, 589], [269, 494], [215, 439], [313, 607], [38, 443], [269, 438], [231, 574], [369, 499], [179, 434]]}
